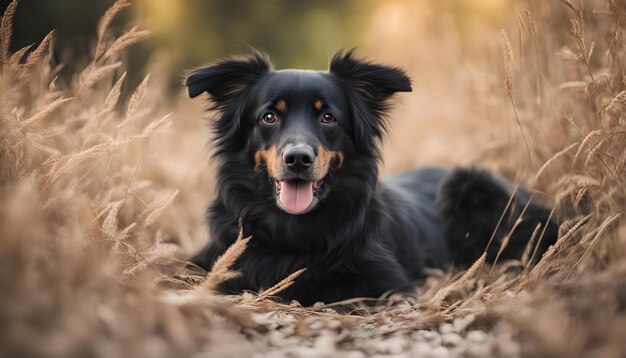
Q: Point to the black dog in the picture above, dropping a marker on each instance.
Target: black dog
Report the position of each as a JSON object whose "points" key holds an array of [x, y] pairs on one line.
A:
{"points": [[298, 153]]}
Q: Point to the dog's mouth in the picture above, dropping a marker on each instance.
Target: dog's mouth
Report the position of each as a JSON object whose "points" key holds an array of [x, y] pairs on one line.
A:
{"points": [[298, 196]]}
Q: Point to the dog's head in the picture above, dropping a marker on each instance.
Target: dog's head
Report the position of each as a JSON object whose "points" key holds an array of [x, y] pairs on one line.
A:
{"points": [[298, 128]]}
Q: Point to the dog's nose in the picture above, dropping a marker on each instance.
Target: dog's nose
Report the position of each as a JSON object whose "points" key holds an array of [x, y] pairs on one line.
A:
{"points": [[299, 157]]}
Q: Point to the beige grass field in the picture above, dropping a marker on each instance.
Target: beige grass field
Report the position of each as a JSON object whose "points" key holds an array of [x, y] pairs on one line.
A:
{"points": [[103, 192]]}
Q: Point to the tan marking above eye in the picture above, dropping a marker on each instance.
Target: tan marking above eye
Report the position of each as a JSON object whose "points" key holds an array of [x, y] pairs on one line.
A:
{"points": [[318, 104], [281, 105]]}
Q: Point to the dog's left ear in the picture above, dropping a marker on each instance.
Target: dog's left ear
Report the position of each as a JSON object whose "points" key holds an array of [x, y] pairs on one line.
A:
{"points": [[227, 78], [370, 86], [228, 82]]}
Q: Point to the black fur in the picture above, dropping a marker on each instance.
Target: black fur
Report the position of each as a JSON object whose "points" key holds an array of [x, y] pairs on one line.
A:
{"points": [[360, 237]]}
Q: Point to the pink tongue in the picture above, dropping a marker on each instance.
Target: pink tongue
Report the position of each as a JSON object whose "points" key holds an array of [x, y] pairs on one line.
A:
{"points": [[296, 196]]}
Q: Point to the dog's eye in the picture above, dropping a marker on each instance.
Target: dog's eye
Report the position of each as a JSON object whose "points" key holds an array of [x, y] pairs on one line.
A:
{"points": [[328, 118], [269, 117]]}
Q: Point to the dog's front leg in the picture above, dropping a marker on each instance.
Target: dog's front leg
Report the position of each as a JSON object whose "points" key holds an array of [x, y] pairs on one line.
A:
{"points": [[369, 276]]}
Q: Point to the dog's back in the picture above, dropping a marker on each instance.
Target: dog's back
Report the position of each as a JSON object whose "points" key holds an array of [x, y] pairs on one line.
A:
{"points": [[411, 201], [456, 215]]}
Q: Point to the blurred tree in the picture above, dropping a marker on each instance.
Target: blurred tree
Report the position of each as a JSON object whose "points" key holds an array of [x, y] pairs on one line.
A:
{"points": [[74, 23], [295, 33]]}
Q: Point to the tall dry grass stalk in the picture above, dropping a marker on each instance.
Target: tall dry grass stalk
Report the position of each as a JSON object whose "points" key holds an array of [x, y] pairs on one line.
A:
{"points": [[84, 236], [102, 197], [222, 269]]}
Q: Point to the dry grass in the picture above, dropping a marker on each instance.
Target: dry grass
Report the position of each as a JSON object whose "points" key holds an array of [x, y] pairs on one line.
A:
{"points": [[102, 198]]}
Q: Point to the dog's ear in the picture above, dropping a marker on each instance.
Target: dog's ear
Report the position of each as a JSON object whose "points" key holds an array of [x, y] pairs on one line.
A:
{"points": [[227, 81], [376, 82], [227, 78], [369, 86]]}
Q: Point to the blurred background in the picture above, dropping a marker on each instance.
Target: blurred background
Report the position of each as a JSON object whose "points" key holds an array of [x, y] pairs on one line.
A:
{"points": [[295, 33], [450, 48], [432, 40]]}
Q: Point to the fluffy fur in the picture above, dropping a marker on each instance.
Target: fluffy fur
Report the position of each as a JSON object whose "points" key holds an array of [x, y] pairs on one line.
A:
{"points": [[359, 236]]}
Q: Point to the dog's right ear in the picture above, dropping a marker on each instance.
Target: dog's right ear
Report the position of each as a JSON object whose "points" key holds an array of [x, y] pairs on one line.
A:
{"points": [[227, 78]]}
